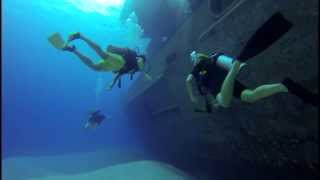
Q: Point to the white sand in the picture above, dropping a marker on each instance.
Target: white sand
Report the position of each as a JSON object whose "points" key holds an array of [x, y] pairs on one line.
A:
{"points": [[140, 170], [101, 165]]}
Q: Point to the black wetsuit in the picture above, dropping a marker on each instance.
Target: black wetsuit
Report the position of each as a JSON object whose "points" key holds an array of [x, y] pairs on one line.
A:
{"points": [[209, 77], [130, 57], [96, 117], [131, 62]]}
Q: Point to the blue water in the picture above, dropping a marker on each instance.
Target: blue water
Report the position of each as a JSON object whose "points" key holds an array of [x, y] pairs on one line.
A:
{"points": [[48, 94]]}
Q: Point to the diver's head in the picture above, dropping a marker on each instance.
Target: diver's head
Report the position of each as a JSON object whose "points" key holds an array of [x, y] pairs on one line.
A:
{"points": [[194, 57]]}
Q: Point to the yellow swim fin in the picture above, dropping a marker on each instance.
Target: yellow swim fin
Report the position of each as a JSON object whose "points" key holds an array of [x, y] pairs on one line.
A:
{"points": [[56, 40]]}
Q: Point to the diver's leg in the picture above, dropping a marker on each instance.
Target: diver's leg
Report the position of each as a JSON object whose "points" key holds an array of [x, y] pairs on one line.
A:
{"points": [[91, 44], [115, 60], [95, 47], [82, 57], [225, 96], [261, 92]]}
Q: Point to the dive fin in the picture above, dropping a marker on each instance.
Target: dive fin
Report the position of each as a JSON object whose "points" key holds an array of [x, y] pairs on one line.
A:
{"points": [[56, 40], [272, 30], [301, 92]]}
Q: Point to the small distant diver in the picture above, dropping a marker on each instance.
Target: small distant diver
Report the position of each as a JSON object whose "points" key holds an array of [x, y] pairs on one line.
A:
{"points": [[215, 77], [118, 60], [95, 119]]}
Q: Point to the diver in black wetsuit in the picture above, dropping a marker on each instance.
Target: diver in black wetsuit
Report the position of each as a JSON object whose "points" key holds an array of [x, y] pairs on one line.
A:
{"points": [[95, 119], [215, 77]]}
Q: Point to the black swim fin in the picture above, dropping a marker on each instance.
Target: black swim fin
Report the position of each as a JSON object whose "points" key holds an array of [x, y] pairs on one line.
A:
{"points": [[301, 92], [272, 30]]}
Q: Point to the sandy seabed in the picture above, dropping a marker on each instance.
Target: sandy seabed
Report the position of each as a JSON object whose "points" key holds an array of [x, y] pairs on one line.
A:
{"points": [[99, 165]]}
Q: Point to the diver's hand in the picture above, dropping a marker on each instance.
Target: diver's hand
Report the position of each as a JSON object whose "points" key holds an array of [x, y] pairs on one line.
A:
{"points": [[109, 87], [86, 125], [148, 77], [194, 100], [215, 104]]}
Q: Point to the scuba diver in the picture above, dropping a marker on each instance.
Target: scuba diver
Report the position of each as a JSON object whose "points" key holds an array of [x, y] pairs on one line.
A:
{"points": [[215, 77], [95, 120], [115, 59]]}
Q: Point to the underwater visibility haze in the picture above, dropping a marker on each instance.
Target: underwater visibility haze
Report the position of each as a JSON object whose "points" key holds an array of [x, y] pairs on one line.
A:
{"points": [[48, 95], [159, 89]]}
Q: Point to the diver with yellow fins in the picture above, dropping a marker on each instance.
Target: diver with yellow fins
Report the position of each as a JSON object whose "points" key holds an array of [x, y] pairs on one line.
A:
{"points": [[114, 59]]}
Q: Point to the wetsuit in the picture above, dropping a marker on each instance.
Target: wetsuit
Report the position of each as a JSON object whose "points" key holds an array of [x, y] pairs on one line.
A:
{"points": [[96, 117], [209, 77], [130, 57]]}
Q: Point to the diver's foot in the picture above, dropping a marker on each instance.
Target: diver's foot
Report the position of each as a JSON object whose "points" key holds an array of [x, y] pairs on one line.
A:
{"points": [[74, 36], [283, 88], [71, 48]]}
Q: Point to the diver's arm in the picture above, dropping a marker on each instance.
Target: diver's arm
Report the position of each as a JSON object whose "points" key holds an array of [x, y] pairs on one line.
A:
{"points": [[189, 81], [141, 68], [114, 80]]}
